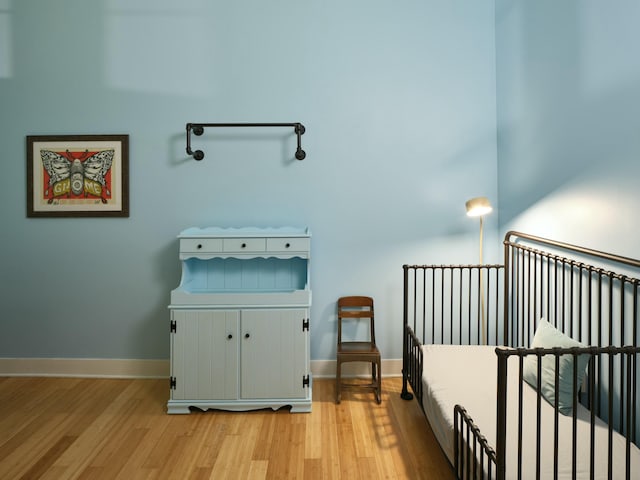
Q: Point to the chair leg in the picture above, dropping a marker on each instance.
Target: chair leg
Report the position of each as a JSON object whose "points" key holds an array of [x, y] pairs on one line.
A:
{"points": [[338, 381], [379, 384]]}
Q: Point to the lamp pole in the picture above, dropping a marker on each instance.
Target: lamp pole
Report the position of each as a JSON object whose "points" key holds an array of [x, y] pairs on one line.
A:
{"points": [[479, 207], [484, 321]]}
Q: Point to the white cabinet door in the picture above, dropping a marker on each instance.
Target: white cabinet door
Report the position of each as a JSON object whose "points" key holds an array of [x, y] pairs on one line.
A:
{"points": [[274, 356], [204, 354]]}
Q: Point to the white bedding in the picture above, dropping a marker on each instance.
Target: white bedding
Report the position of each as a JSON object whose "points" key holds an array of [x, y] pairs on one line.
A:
{"points": [[468, 376]]}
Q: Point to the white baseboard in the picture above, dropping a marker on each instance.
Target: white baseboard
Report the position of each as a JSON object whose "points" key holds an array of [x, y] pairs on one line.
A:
{"points": [[133, 368], [83, 367]]}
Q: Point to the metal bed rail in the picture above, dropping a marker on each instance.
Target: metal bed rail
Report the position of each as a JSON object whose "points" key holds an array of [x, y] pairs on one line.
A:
{"points": [[627, 360], [588, 302], [582, 297], [448, 304], [412, 365], [474, 457], [454, 304]]}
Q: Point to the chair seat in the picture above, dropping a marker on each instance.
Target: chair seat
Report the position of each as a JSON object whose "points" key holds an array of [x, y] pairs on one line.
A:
{"points": [[348, 348]]}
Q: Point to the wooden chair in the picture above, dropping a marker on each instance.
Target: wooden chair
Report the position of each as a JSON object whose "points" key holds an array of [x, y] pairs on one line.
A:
{"points": [[356, 308]]}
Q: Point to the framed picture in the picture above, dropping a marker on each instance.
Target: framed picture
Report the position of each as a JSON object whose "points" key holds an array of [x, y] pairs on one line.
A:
{"points": [[78, 176]]}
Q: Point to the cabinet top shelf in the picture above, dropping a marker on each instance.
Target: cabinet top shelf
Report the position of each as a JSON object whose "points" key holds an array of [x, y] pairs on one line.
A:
{"points": [[231, 232]]}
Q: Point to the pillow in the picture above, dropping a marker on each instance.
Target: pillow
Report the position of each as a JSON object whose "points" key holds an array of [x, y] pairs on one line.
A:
{"points": [[547, 336]]}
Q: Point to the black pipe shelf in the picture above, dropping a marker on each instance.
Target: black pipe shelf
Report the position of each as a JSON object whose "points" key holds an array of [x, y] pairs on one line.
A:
{"points": [[198, 129]]}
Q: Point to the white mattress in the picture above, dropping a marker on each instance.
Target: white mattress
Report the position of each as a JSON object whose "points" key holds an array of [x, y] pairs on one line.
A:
{"points": [[468, 376]]}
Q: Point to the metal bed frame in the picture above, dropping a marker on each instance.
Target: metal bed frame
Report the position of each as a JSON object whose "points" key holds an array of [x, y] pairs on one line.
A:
{"points": [[589, 295]]}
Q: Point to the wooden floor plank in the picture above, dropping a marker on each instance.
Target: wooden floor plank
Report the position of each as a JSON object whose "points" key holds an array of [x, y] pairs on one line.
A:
{"points": [[70, 428], [43, 464]]}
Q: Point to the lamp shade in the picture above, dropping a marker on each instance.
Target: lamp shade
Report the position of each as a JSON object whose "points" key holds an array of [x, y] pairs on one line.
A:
{"points": [[478, 206]]}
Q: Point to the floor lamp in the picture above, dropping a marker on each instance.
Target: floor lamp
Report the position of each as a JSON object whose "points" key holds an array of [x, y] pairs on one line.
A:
{"points": [[479, 207]]}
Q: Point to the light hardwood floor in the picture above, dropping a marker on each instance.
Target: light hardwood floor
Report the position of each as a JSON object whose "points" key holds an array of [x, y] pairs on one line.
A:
{"points": [[75, 428]]}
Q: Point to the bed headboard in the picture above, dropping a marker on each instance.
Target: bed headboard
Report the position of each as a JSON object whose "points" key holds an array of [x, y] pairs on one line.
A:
{"points": [[590, 295]]}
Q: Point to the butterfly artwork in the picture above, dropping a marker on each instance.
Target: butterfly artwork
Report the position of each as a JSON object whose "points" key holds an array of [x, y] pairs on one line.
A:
{"points": [[76, 175]]}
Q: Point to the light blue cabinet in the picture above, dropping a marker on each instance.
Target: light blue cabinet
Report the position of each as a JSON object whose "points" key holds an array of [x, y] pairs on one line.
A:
{"points": [[240, 320]]}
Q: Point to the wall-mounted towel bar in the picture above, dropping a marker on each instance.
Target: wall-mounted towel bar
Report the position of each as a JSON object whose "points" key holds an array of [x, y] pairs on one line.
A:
{"points": [[198, 129]]}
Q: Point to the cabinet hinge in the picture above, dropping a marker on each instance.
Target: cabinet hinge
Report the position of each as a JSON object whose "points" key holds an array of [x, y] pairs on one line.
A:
{"points": [[305, 381], [172, 383], [305, 324], [173, 326]]}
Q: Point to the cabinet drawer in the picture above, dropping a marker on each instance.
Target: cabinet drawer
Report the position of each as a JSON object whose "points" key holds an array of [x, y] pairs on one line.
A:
{"points": [[294, 244], [243, 245], [201, 245]]}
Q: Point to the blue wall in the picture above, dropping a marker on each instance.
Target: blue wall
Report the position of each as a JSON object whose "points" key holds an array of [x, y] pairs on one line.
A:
{"points": [[568, 92], [401, 97], [398, 99]]}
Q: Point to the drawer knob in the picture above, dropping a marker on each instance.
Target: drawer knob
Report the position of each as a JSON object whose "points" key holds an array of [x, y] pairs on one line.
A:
{"points": [[287, 245], [244, 245], [199, 246], [229, 337], [246, 335]]}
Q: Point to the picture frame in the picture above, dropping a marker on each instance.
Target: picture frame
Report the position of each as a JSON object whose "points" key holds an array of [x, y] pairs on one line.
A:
{"points": [[77, 175]]}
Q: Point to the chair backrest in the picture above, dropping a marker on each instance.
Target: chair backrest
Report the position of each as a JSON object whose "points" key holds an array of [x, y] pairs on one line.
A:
{"points": [[356, 307]]}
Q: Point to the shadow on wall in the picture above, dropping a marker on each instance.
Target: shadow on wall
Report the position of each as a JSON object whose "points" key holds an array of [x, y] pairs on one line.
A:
{"points": [[152, 331], [6, 47], [560, 118]]}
